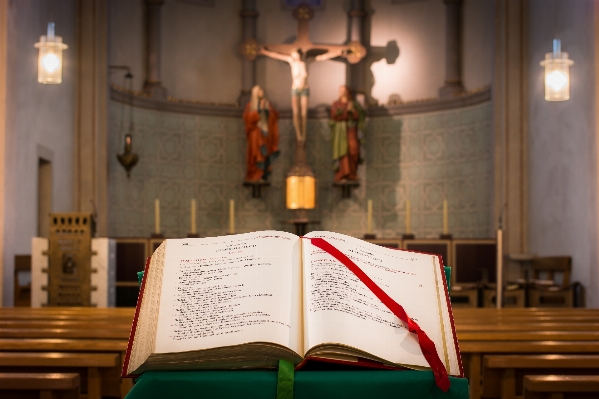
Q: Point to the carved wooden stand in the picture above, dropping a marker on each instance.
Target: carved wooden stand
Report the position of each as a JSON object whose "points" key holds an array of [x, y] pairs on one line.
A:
{"points": [[69, 264]]}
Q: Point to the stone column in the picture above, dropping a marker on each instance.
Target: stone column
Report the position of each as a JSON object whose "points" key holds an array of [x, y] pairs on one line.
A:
{"points": [[510, 115], [453, 50], [90, 167], [152, 84], [355, 73], [248, 73], [5, 267]]}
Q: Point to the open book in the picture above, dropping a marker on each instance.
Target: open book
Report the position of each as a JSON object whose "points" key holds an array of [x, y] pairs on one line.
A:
{"points": [[248, 300]]}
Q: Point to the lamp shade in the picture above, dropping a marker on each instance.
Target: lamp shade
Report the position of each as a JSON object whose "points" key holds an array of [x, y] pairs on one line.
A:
{"points": [[301, 192], [557, 74], [49, 68]]}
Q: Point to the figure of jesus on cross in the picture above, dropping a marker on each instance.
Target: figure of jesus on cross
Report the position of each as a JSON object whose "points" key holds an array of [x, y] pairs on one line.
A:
{"points": [[299, 84], [296, 54]]}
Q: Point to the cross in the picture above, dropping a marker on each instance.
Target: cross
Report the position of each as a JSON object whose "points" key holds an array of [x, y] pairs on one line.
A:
{"points": [[290, 53], [303, 14]]}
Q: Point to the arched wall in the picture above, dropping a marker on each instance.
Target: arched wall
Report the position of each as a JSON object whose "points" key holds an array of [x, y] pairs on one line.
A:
{"points": [[421, 156]]}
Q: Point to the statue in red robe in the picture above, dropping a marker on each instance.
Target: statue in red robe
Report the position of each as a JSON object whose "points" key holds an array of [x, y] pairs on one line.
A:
{"points": [[347, 119], [262, 132]]}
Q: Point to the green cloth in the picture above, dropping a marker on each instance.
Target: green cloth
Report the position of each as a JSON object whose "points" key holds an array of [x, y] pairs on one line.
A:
{"points": [[285, 380], [339, 130], [378, 384], [339, 139]]}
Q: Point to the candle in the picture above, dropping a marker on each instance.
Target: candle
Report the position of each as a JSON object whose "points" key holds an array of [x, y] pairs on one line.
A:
{"points": [[499, 277], [231, 216], [193, 216], [157, 216], [445, 220], [408, 222], [369, 219]]}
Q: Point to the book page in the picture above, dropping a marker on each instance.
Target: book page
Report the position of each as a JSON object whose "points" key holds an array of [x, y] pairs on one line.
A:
{"points": [[340, 309], [230, 290]]}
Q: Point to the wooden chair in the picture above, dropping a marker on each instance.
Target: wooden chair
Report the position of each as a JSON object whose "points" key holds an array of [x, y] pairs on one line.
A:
{"points": [[514, 296], [551, 294], [49, 385], [464, 296], [561, 386]]}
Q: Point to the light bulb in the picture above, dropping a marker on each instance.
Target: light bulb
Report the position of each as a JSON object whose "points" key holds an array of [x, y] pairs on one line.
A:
{"points": [[51, 62], [556, 80]]}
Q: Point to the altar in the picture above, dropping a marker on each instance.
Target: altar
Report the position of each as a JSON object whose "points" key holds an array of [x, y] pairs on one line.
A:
{"points": [[317, 380], [308, 384]]}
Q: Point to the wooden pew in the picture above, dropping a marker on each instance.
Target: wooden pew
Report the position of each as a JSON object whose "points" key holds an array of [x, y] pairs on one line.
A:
{"points": [[461, 328], [102, 331], [522, 331], [50, 385], [99, 333], [559, 386], [503, 374], [474, 350], [94, 363], [584, 335], [62, 345], [79, 324]]}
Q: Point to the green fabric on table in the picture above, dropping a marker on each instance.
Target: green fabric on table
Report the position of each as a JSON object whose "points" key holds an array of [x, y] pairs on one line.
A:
{"points": [[380, 384]]}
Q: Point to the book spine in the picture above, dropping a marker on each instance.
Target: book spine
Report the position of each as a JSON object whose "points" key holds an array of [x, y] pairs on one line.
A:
{"points": [[124, 373], [455, 337]]}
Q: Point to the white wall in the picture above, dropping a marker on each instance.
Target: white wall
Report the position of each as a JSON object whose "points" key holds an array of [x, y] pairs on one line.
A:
{"points": [[37, 115], [419, 29], [200, 50], [562, 142], [126, 40], [478, 22]]}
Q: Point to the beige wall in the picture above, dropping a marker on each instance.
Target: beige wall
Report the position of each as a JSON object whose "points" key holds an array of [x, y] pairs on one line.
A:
{"points": [[563, 143], [39, 121]]}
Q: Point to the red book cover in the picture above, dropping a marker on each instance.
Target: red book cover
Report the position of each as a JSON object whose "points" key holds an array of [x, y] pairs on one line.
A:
{"points": [[134, 325]]}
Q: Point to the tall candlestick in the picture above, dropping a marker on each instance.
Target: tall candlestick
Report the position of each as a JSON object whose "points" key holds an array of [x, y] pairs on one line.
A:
{"points": [[369, 219], [499, 277], [445, 220], [231, 216], [193, 216], [408, 221], [157, 216]]}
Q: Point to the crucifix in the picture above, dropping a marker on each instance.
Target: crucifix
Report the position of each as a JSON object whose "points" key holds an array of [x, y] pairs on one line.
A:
{"points": [[301, 182], [298, 55]]}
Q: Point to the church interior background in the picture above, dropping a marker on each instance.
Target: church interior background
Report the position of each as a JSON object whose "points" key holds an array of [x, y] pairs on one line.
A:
{"points": [[453, 92]]}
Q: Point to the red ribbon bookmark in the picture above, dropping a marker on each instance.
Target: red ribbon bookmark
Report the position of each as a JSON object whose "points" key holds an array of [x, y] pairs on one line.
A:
{"points": [[426, 345]]}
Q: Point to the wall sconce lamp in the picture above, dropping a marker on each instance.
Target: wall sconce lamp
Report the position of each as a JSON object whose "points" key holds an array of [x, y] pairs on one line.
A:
{"points": [[557, 74], [49, 68]]}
